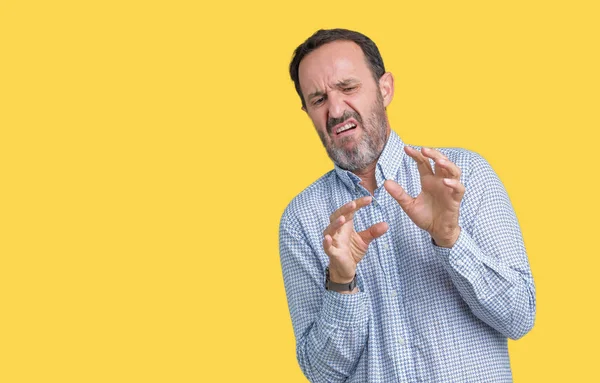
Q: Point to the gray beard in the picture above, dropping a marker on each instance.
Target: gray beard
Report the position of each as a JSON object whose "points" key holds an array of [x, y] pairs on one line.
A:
{"points": [[370, 146], [359, 157]]}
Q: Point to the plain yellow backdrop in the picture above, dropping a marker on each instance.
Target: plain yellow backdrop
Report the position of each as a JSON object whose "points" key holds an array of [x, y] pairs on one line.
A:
{"points": [[148, 149]]}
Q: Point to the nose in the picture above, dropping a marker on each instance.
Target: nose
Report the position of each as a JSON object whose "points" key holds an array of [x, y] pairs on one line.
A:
{"points": [[337, 106]]}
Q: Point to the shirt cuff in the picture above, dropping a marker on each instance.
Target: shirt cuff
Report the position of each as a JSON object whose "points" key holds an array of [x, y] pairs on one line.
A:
{"points": [[350, 309], [461, 255]]}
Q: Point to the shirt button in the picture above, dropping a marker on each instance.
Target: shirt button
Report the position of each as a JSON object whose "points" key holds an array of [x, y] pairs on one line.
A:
{"points": [[386, 247], [401, 341], [394, 293]]}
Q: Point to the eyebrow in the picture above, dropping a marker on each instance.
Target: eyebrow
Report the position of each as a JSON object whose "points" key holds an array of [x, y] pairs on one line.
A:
{"points": [[346, 82], [315, 94], [340, 84]]}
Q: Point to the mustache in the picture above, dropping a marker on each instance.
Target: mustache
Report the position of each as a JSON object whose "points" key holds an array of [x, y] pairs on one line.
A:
{"points": [[338, 120]]}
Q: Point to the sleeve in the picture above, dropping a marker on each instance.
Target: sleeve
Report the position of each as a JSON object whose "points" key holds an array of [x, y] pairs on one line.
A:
{"points": [[330, 328], [488, 263]]}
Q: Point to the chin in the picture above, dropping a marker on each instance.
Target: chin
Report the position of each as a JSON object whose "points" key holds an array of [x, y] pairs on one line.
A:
{"points": [[348, 143]]}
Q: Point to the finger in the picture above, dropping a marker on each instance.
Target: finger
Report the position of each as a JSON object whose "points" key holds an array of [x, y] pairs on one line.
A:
{"points": [[454, 184], [344, 209], [434, 154], [328, 245], [449, 168], [399, 194], [422, 163], [333, 227], [440, 160], [373, 232], [350, 208]]}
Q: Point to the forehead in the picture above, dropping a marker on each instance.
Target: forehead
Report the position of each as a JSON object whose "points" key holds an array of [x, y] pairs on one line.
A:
{"points": [[331, 63]]}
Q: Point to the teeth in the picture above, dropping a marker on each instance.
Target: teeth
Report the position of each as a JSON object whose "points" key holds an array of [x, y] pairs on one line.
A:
{"points": [[345, 127]]}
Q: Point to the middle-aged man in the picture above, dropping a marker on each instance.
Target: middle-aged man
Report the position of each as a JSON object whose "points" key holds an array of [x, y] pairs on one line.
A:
{"points": [[446, 282]]}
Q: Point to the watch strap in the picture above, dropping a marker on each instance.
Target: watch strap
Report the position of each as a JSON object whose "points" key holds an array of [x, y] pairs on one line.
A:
{"points": [[329, 285]]}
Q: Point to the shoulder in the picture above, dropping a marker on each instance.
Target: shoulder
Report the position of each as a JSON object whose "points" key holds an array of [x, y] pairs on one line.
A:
{"points": [[308, 202]]}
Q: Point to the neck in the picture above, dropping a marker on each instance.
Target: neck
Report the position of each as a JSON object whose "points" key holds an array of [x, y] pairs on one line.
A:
{"points": [[367, 176]]}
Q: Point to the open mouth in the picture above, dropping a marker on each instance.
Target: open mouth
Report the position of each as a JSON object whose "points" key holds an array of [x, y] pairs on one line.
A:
{"points": [[347, 127]]}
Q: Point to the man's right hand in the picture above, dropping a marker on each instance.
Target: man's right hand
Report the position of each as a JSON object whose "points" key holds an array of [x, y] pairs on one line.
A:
{"points": [[344, 246]]}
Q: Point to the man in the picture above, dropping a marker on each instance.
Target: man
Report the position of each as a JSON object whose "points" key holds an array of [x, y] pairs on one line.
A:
{"points": [[381, 286]]}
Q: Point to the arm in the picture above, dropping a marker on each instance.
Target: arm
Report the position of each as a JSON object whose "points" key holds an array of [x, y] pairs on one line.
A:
{"points": [[330, 328], [484, 255], [488, 263]]}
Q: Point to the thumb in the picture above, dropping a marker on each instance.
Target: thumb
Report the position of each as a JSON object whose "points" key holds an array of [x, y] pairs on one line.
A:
{"points": [[399, 194], [373, 232]]}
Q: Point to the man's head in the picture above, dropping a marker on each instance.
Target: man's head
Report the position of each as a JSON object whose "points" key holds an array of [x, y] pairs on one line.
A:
{"points": [[341, 80]]}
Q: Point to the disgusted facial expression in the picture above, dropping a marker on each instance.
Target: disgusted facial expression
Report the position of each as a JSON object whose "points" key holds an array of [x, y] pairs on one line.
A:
{"points": [[346, 104]]}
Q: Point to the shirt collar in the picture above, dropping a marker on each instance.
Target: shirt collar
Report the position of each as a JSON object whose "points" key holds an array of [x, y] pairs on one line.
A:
{"points": [[387, 166]]}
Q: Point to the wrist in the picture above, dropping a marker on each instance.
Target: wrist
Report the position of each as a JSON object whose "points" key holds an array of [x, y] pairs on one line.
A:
{"points": [[447, 241], [354, 291], [344, 287], [337, 277]]}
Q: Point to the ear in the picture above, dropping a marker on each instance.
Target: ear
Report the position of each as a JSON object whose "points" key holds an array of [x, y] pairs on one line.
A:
{"points": [[386, 87]]}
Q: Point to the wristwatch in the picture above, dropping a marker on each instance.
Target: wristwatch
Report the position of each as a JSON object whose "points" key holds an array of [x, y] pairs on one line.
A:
{"points": [[338, 286]]}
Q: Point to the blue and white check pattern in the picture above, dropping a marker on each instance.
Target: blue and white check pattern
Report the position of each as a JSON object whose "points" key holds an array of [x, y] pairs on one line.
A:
{"points": [[423, 313]]}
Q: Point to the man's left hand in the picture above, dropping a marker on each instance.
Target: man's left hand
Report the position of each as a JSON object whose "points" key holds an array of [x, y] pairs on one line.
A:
{"points": [[436, 208]]}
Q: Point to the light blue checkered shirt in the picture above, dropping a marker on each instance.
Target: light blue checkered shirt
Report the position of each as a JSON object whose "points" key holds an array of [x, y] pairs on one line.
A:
{"points": [[423, 313]]}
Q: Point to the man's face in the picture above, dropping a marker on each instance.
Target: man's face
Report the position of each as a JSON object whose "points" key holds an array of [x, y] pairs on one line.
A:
{"points": [[345, 104]]}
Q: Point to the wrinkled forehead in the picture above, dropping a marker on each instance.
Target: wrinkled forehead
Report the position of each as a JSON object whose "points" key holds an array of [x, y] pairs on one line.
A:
{"points": [[330, 64]]}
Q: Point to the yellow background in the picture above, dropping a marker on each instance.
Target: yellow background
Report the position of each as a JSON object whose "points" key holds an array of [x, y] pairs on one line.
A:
{"points": [[148, 149]]}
